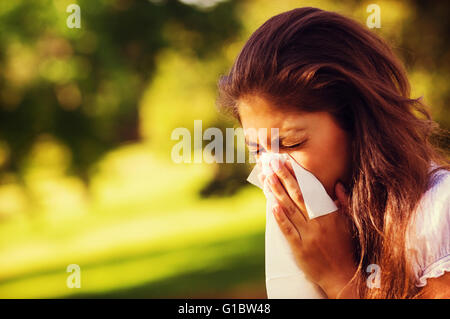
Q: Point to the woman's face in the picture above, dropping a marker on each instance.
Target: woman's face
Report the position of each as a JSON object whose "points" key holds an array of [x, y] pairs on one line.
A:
{"points": [[313, 139]]}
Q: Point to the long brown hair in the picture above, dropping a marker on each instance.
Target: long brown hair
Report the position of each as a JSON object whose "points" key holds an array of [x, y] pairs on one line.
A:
{"points": [[316, 60]]}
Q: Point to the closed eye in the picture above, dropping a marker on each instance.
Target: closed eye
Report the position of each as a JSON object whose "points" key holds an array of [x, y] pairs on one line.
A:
{"points": [[293, 145]]}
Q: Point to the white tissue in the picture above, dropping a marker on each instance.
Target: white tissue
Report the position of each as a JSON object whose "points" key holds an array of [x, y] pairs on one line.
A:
{"points": [[284, 279]]}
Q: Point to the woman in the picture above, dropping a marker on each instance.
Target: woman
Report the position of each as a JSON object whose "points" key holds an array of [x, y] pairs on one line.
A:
{"points": [[340, 100]]}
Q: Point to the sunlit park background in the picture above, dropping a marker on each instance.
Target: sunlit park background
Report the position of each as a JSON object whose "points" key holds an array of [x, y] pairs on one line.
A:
{"points": [[86, 116]]}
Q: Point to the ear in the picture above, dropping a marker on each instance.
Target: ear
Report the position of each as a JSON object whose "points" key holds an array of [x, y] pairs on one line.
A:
{"points": [[341, 194]]}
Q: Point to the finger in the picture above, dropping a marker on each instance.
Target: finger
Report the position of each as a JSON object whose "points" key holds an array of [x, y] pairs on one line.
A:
{"points": [[288, 180], [290, 209], [289, 167], [288, 163], [341, 194], [290, 184], [298, 198], [286, 226]]}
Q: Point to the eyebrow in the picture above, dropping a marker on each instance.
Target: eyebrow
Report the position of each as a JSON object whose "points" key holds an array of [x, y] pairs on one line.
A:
{"points": [[280, 138]]}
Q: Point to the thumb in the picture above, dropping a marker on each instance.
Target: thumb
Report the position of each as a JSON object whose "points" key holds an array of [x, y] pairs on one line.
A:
{"points": [[341, 194]]}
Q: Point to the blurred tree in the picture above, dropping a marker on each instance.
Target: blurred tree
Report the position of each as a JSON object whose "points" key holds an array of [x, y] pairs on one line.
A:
{"points": [[425, 38], [82, 86]]}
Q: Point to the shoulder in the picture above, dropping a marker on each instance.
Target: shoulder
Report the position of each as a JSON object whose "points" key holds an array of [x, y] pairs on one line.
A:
{"points": [[439, 187], [433, 211], [430, 234]]}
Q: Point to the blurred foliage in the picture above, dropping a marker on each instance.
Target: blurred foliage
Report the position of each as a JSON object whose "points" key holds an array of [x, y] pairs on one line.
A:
{"points": [[85, 122], [82, 86]]}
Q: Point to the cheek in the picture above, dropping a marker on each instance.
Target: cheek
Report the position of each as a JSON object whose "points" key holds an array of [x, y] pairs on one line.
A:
{"points": [[327, 160]]}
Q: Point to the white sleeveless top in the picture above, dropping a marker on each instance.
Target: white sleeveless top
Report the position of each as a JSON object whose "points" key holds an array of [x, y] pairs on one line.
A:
{"points": [[429, 241]]}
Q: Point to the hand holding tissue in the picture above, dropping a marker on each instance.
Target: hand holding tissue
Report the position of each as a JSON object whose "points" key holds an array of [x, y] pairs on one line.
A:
{"points": [[284, 279]]}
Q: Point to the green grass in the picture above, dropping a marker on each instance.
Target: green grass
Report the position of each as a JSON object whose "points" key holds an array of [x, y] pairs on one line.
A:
{"points": [[208, 246]]}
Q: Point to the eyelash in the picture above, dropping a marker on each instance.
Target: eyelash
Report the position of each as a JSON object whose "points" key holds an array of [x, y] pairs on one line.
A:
{"points": [[282, 147]]}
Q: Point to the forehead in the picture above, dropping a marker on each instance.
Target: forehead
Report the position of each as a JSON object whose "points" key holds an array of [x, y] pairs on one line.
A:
{"points": [[257, 112]]}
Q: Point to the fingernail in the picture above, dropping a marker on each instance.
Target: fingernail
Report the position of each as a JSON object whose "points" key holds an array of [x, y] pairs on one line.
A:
{"points": [[272, 179], [275, 164], [276, 210]]}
